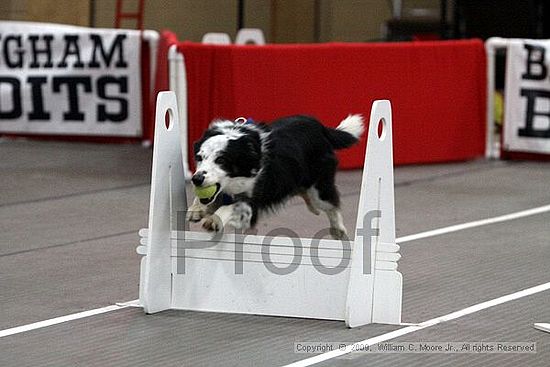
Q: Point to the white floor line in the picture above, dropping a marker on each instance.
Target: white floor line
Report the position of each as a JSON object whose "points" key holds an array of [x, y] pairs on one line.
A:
{"points": [[477, 223], [435, 232], [133, 303], [426, 324], [542, 326], [59, 320]]}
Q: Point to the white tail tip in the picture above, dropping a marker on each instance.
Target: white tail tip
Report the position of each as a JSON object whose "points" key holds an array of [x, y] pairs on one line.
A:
{"points": [[353, 124]]}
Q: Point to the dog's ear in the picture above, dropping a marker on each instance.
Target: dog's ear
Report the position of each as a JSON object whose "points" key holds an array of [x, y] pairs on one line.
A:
{"points": [[244, 155], [253, 146]]}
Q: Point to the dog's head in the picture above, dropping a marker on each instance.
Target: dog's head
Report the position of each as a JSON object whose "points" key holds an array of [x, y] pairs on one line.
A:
{"points": [[229, 156]]}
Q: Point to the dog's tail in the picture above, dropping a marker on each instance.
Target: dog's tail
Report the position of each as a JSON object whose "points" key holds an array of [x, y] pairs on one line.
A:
{"points": [[347, 133]]}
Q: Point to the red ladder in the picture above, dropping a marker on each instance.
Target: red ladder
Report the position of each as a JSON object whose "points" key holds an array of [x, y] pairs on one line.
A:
{"points": [[138, 16]]}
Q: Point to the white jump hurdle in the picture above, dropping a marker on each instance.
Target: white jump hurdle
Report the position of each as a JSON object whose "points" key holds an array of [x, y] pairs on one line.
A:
{"points": [[247, 36], [282, 276], [216, 38]]}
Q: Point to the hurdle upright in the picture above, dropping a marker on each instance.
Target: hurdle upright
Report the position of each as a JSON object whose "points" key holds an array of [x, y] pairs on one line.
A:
{"points": [[356, 282]]}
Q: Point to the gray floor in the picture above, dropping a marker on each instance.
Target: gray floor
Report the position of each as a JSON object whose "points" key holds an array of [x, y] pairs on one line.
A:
{"points": [[69, 215]]}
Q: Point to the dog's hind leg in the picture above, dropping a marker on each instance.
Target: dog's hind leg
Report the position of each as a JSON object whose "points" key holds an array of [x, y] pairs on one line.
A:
{"points": [[312, 208], [337, 229], [326, 198]]}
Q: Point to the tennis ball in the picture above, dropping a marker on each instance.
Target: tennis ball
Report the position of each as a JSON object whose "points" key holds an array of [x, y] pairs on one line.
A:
{"points": [[205, 192]]}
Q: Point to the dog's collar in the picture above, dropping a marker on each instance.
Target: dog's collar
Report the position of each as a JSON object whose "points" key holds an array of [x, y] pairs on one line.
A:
{"points": [[222, 199], [227, 199]]}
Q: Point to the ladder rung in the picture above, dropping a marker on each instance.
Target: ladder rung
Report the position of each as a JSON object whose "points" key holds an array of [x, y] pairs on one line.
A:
{"points": [[120, 15]]}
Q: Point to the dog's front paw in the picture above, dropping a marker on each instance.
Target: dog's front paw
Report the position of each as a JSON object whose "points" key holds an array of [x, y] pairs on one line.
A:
{"points": [[212, 224], [196, 212], [194, 216], [241, 216]]}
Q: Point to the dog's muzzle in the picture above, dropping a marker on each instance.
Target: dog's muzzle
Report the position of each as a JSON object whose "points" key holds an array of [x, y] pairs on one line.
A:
{"points": [[198, 178]]}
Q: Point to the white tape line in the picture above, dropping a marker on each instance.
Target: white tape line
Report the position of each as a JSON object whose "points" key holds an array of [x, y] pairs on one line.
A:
{"points": [[543, 327], [477, 223], [59, 320], [411, 329], [134, 303]]}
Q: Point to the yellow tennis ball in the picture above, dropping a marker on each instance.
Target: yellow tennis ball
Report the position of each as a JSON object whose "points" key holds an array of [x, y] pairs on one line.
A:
{"points": [[205, 192], [499, 108]]}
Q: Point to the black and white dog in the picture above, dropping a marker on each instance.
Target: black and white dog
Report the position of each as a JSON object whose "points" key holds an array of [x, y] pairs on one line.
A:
{"points": [[261, 166]]}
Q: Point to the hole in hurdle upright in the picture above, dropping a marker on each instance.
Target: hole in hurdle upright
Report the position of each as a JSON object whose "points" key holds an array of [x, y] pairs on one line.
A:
{"points": [[296, 277]]}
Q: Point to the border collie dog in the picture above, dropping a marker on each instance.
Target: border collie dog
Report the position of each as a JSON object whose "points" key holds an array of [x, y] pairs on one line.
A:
{"points": [[260, 166]]}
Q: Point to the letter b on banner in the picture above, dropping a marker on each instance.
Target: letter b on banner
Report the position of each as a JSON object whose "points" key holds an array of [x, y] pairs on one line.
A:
{"points": [[534, 67], [527, 104]]}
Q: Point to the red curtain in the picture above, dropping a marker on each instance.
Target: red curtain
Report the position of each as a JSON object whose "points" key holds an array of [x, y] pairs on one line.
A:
{"points": [[437, 90]]}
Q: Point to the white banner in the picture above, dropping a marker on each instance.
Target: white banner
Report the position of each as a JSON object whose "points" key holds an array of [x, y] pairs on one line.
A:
{"points": [[527, 97], [65, 80]]}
